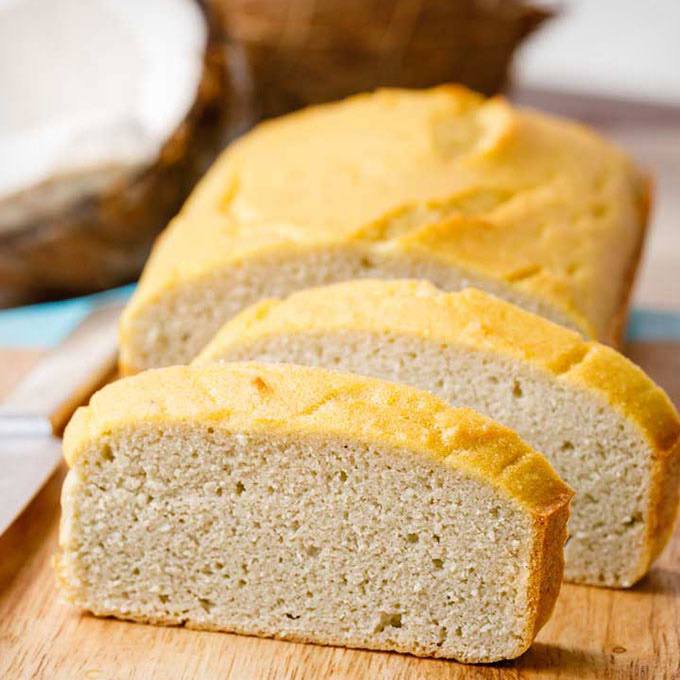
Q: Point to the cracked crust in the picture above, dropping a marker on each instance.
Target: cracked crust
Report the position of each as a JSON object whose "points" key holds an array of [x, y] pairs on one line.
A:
{"points": [[258, 397], [546, 212], [470, 318]]}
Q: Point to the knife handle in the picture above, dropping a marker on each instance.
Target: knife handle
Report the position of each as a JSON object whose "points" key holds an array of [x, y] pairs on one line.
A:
{"points": [[68, 374]]}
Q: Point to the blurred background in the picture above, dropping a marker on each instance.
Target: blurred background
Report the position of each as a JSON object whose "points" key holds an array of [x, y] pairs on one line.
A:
{"points": [[110, 110]]}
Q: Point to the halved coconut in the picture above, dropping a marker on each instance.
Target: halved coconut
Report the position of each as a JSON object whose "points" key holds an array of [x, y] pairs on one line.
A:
{"points": [[111, 110]]}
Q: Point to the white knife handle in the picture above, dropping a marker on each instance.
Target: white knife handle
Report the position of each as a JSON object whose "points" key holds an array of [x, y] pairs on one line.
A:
{"points": [[68, 374]]}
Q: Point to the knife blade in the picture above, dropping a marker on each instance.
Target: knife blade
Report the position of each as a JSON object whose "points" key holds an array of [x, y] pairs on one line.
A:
{"points": [[35, 412]]}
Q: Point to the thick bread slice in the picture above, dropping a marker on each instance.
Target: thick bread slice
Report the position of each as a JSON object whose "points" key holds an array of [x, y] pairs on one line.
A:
{"points": [[608, 430], [437, 184], [309, 505]]}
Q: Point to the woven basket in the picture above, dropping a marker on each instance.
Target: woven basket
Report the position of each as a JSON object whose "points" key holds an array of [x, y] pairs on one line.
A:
{"points": [[307, 51]]}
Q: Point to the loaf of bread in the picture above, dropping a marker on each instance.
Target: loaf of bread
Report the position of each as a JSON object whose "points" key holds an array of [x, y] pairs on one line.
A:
{"points": [[608, 430], [438, 184], [309, 505]]}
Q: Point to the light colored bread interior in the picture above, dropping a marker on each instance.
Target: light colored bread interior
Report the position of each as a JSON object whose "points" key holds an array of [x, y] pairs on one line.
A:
{"points": [[592, 448], [256, 510], [180, 324], [606, 428], [322, 540]]}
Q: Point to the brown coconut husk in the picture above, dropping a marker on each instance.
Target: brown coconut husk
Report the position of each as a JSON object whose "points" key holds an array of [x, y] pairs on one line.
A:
{"points": [[99, 240], [302, 52]]}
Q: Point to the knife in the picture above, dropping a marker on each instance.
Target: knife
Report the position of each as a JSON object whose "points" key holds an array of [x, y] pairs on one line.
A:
{"points": [[36, 411]]}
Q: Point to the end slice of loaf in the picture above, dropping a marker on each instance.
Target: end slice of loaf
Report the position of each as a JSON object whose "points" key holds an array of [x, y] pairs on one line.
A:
{"points": [[608, 430], [437, 184], [309, 505]]}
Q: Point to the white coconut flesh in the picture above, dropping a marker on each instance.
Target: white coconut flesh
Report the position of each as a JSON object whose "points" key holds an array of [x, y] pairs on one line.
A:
{"points": [[91, 90]]}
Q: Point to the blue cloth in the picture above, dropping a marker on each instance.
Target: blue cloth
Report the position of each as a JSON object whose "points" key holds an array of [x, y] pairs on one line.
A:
{"points": [[649, 324], [46, 324]]}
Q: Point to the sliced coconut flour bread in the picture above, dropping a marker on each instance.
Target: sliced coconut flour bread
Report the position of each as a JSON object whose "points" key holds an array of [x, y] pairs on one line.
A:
{"points": [[608, 430], [310, 505], [437, 184]]}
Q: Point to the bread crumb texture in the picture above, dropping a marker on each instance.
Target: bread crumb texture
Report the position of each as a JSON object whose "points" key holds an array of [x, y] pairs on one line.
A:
{"points": [[607, 428], [439, 184], [306, 504]]}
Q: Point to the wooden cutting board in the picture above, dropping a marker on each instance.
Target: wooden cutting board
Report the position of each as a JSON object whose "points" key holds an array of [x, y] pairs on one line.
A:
{"points": [[594, 632]]}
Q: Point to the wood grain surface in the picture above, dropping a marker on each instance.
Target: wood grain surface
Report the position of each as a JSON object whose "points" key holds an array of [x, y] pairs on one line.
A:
{"points": [[594, 633]]}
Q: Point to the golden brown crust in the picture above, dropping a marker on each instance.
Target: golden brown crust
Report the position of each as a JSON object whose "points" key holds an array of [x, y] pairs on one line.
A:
{"points": [[551, 534], [538, 205], [471, 319], [288, 399], [663, 504], [616, 334]]}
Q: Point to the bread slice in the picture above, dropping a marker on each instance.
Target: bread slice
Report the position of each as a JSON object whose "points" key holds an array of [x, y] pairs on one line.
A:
{"points": [[309, 505], [608, 430], [436, 184]]}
